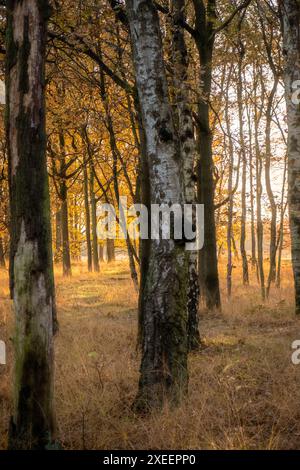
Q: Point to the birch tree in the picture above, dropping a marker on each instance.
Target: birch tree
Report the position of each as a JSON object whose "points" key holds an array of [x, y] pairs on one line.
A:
{"points": [[290, 10], [164, 316], [241, 53], [31, 275], [188, 153]]}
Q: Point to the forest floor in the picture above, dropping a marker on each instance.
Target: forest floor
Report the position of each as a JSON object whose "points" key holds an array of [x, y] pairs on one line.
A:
{"points": [[244, 391]]}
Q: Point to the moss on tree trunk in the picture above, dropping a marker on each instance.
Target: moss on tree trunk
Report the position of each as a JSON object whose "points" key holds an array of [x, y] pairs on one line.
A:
{"points": [[31, 273]]}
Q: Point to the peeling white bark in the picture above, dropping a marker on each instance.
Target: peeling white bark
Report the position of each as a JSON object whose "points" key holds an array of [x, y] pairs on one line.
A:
{"points": [[162, 144], [164, 362]]}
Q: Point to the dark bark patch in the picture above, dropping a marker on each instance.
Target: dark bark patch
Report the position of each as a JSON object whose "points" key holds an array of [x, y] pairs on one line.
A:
{"points": [[164, 133]]}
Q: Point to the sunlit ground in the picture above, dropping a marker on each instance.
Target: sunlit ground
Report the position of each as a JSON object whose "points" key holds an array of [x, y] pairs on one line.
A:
{"points": [[244, 390]]}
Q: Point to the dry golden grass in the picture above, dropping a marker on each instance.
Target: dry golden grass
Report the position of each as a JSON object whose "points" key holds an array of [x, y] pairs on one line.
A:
{"points": [[244, 391]]}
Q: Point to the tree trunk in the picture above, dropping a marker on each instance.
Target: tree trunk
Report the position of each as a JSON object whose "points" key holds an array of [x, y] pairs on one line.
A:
{"points": [[66, 258], [208, 265], [230, 194], [281, 227], [269, 116], [142, 193], [145, 198], [252, 192], [58, 236], [116, 155], [291, 33], [208, 262], [87, 218], [31, 271], [76, 229], [101, 254], [110, 250], [273, 234], [235, 251], [2, 257], [163, 370], [63, 194], [187, 141], [259, 227], [244, 165], [94, 221], [280, 246]]}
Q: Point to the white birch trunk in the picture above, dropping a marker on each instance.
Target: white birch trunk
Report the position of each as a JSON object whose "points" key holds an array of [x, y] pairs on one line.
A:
{"points": [[164, 348], [188, 154]]}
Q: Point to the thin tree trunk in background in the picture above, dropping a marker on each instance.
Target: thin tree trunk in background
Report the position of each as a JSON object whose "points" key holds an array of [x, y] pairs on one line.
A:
{"points": [[283, 208], [66, 257], [58, 235], [133, 271], [96, 266], [269, 116], [163, 372], [87, 218], [208, 263], [281, 227], [230, 194], [280, 245], [188, 150], [244, 161], [110, 250], [129, 246], [31, 270], [133, 124], [2, 257], [252, 192], [76, 229], [116, 155], [235, 250], [259, 222], [260, 250], [101, 253], [290, 10], [273, 234]]}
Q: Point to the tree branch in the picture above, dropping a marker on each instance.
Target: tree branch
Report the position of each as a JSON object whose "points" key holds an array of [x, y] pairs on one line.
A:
{"points": [[86, 50], [181, 22], [226, 22]]}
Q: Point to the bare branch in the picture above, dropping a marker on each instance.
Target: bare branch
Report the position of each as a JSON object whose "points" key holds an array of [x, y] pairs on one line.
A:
{"points": [[231, 17]]}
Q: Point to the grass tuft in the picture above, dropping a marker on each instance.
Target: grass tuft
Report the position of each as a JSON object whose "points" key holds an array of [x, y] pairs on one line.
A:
{"points": [[244, 390]]}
